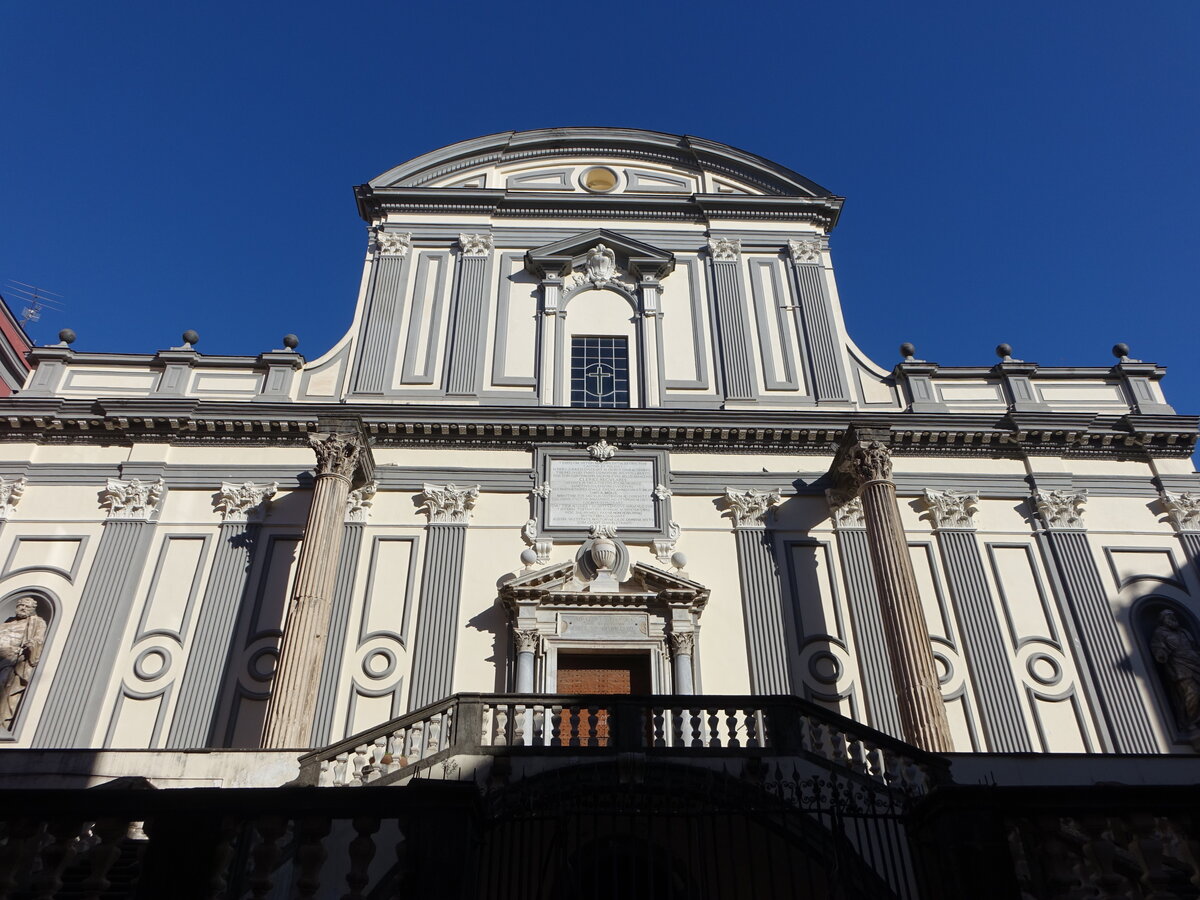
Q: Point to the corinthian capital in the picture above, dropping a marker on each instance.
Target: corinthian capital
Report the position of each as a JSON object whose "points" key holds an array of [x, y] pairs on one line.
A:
{"points": [[449, 504], [865, 461], [1061, 509], [526, 639], [748, 508], [725, 249], [475, 244], [846, 509], [950, 509], [11, 490], [358, 502], [134, 499], [241, 502], [805, 251], [682, 642], [337, 454], [1183, 510], [392, 243]]}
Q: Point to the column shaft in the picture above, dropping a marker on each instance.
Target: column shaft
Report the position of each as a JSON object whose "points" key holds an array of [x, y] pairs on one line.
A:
{"points": [[683, 674], [922, 713], [291, 708], [525, 672]]}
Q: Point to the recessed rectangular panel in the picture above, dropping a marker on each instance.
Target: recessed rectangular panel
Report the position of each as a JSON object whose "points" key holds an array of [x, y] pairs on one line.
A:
{"points": [[813, 595], [135, 723], [1021, 593], [778, 340], [958, 714], [423, 337], [47, 554], [367, 712], [1131, 563], [514, 354], [685, 339], [1059, 726], [176, 577], [274, 585], [388, 589], [932, 601]]}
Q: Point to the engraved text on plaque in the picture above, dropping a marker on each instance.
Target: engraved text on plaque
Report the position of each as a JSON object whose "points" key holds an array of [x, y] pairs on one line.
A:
{"points": [[584, 492]]}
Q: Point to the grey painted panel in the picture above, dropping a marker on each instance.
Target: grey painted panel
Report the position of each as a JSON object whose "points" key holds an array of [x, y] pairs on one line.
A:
{"points": [[468, 327], [339, 623], [193, 589], [651, 182], [699, 347], [428, 304], [503, 313], [384, 306], [733, 330], [437, 617], [68, 573], [874, 664], [816, 308], [1191, 546], [541, 180], [402, 636], [337, 361], [996, 690], [77, 692], [762, 609], [194, 722], [1117, 696], [765, 309]]}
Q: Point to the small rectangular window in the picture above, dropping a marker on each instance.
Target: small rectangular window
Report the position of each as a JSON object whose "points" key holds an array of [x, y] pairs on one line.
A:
{"points": [[600, 372]]}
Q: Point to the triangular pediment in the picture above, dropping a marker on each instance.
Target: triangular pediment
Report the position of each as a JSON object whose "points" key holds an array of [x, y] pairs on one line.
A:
{"points": [[636, 257], [561, 581]]}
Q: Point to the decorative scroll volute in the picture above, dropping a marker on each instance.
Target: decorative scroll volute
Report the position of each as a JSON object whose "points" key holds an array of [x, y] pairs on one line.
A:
{"points": [[748, 508], [950, 509], [449, 504], [1061, 509], [337, 454]]}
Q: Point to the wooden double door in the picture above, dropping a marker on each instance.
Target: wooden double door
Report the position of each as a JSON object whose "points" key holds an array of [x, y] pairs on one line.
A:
{"points": [[598, 673]]}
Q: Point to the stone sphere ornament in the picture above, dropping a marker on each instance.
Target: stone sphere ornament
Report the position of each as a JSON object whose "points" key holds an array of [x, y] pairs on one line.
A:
{"points": [[679, 560], [908, 350], [528, 557], [291, 341], [191, 337], [1004, 351], [67, 336], [1121, 350]]}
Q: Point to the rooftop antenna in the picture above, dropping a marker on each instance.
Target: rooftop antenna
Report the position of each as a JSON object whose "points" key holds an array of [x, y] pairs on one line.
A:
{"points": [[35, 299]]}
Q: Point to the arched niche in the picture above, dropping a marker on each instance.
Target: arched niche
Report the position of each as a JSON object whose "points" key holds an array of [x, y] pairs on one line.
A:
{"points": [[1170, 654], [18, 680]]}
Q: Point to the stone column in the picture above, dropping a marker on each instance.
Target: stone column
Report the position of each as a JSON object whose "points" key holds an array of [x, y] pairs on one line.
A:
{"points": [[527, 641], [681, 654], [292, 706], [864, 466]]}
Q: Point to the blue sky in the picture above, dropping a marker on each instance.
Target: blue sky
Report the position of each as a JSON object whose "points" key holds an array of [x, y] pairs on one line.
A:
{"points": [[1021, 172]]}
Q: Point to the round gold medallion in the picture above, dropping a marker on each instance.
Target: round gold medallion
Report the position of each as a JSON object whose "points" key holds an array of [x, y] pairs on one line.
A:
{"points": [[599, 179]]}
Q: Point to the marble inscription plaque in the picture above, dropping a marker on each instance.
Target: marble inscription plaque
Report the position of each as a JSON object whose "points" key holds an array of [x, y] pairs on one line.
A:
{"points": [[585, 492], [609, 625]]}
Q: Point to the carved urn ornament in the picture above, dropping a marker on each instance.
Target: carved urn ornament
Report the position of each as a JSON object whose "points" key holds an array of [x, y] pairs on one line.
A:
{"points": [[604, 549]]}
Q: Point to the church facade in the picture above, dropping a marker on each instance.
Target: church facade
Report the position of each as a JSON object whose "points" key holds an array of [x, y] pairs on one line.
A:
{"points": [[597, 469]]}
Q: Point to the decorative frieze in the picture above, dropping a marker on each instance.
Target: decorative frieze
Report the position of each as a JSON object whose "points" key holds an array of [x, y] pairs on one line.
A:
{"points": [[392, 243], [337, 454], [748, 508], [805, 251], [134, 499], [241, 502], [1061, 509], [602, 450], [846, 509], [449, 504], [1183, 510], [11, 491], [950, 509], [724, 249], [359, 501], [475, 244]]}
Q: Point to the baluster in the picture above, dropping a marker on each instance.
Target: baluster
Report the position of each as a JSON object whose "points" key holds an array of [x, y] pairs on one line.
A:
{"points": [[694, 739], [837, 748], [574, 738], [539, 726], [338, 773], [485, 726], [593, 721], [414, 742], [658, 722], [378, 755], [359, 763], [874, 764], [732, 727], [310, 854], [519, 725], [677, 728], [56, 855], [447, 728], [501, 738], [270, 829], [556, 725], [361, 851], [714, 728], [892, 774], [817, 738], [858, 757], [104, 852], [433, 736], [754, 728]]}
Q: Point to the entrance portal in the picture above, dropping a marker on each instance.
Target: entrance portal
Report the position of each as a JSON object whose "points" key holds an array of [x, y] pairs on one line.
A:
{"points": [[598, 673]]}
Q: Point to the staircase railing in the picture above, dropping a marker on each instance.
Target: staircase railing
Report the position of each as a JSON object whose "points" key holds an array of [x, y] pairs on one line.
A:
{"points": [[492, 724]]}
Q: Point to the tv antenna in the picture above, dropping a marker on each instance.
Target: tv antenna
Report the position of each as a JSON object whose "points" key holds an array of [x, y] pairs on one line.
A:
{"points": [[35, 299]]}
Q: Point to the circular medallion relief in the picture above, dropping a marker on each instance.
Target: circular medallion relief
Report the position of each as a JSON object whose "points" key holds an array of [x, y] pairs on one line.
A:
{"points": [[599, 179]]}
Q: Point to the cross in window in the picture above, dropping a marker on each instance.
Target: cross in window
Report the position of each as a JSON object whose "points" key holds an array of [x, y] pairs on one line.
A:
{"points": [[600, 374]]}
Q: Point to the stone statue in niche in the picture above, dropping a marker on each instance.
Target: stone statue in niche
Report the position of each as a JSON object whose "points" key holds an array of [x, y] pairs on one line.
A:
{"points": [[21, 639], [1175, 650]]}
